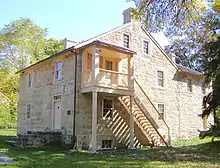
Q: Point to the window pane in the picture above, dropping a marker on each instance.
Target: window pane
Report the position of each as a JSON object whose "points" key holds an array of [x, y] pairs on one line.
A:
{"points": [[146, 47], [106, 144], [160, 77], [161, 111], [58, 65], [29, 80], [28, 110], [126, 40], [107, 108], [189, 85]]}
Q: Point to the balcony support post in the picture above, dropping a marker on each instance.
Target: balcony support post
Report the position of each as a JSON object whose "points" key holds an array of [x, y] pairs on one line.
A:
{"points": [[131, 122], [94, 120], [95, 65], [130, 73]]}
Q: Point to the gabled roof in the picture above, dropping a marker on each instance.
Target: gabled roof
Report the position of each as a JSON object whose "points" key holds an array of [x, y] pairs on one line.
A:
{"points": [[80, 44], [96, 42], [188, 70], [115, 47], [50, 57]]}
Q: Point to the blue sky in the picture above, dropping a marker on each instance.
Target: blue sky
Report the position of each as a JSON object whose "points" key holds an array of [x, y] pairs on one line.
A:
{"points": [[76, 20]]}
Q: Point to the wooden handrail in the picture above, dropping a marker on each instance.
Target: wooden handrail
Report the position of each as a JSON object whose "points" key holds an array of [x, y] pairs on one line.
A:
{"points": [[150, 101], [154, 108], [115, 72]]}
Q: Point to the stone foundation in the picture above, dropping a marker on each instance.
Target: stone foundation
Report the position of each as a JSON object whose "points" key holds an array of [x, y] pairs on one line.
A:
{"points": [[39, 139]]}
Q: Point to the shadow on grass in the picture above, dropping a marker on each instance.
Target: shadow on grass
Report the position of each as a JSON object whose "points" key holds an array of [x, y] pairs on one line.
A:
{"points": [[202, 155]]}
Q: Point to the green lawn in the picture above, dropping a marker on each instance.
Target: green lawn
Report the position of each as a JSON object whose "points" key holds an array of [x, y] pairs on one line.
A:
{"points": [[197, 153]]}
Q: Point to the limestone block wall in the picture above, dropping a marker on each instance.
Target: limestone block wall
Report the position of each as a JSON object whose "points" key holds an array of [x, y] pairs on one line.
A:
{"points": [[181, 108], [41, 94]]}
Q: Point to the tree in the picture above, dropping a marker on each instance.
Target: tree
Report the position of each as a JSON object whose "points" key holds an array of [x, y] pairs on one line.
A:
{"points": [[21, 43], [194, 27], [169, 15]]}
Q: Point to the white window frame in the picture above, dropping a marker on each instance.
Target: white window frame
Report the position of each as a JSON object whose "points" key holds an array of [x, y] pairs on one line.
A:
{"points": [[30, 80], [191, 85], [129, 46], [163, 81], [113, 104], [144, 48], [28, 111], [160, 117], [58, 70]]}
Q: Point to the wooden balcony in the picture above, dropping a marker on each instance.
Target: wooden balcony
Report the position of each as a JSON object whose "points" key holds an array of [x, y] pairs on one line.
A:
{"points": [[106, 70]]}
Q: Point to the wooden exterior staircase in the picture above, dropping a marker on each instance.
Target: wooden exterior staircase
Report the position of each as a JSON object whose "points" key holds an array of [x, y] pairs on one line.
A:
{"points": [[146, 117]]}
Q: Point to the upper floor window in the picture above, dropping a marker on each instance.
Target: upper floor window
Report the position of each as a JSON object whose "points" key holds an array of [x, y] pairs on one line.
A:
{"points": [[58, 97], [107, 108], [189, 85], [203, 89], [161, 111], [58, 70], [28, 110], [29, 80], [126, 40], [146, 50], [160, 78]]}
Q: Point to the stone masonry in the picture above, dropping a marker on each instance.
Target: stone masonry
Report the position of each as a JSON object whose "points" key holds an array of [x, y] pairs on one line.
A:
{"points": [[181, 106]]}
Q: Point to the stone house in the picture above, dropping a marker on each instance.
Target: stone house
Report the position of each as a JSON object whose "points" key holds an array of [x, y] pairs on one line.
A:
{"points": [[118, 88]]}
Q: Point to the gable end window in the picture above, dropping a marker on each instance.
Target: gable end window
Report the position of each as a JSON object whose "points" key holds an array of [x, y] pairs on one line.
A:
{"points": [[161, 111], [29, 80], [28, 111], [189, 85], [146, 47], [126, 40], [107, 110], [58, 70], [160, 78]]}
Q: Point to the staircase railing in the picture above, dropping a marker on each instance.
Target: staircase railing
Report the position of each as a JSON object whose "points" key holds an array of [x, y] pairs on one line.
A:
{"points": [[152, 114]]}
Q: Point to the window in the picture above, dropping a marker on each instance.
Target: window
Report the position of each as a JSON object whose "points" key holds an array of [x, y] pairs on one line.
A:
{"points": [[108, 66], [126, 40], [203, 88], [189, 85], [58, 97], [29, 80], [106, 144], [107, 108], [161, 111], [160, 78], [59, 70], [146, 47], [28, 110]]}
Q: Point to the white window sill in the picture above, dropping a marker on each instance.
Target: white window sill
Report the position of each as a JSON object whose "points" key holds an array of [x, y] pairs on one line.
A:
{"points": [[107, 118], [160, 87]]}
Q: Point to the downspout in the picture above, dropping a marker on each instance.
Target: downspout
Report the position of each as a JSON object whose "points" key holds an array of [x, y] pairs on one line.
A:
{"points": [[74, 101]]}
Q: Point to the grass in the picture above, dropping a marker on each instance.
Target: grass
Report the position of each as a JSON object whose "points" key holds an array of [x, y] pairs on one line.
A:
{"points": [[196, 153]]}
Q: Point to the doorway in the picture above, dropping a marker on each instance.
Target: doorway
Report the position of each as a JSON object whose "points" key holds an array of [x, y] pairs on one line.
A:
{"points": [[57, 115]]}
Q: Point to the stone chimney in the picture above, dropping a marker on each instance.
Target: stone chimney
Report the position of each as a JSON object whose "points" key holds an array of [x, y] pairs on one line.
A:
{"points": [[127, 16], [68, 43]]}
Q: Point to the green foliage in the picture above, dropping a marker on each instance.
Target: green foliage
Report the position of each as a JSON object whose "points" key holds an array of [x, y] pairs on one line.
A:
{"points": [[21, 43], [8, 117], [173, 15], [185, 154]]}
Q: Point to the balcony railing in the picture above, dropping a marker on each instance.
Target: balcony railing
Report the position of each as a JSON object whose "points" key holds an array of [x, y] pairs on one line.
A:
{"points": [[107, 78]]}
